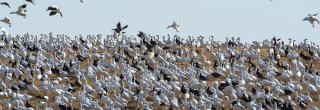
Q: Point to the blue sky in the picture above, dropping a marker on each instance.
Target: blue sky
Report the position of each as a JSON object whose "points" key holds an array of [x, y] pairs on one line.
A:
{"points": [[248, 19]]}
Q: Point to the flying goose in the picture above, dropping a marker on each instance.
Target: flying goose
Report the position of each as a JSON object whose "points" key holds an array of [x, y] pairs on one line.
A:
{"points": [[5, 3], [175, 26], [312, 18], [54, 10], [118, 31], [6, 20], [21, 11]]}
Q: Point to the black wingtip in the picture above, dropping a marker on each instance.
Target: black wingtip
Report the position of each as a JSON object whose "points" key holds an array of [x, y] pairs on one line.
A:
{"points": [[24, 6]]}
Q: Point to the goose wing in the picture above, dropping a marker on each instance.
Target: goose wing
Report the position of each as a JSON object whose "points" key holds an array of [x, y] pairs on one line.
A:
{"points": [[126, 26], [52, 7], [53, 13], [60, 13], [5, 3], [118, 25]]}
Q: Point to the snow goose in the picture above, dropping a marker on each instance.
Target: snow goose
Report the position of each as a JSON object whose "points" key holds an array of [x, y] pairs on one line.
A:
{"points": [[288, 105], [21, 11], [216, 101], [2, 85], [96, 106], [291, 43], [106, 99], [174, 102], [175, 26], [123, 102], [238, 105], [33, 88], [312, 19], [311, 88], [118, 31], [54, 10], [286, 75], [231, 92]]}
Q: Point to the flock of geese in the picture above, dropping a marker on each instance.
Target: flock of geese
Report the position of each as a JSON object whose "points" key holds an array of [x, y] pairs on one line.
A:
{"points": [[53, 10], [22, 11], [115, 72]]}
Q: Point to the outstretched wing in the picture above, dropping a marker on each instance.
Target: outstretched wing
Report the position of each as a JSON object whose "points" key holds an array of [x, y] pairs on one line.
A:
{"points": [[126, 26], [5, 3], [52, 13], [52, 8], [119, 25]]}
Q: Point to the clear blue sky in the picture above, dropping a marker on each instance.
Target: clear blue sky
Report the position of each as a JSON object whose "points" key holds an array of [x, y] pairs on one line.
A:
{"points": [[248, 19]]}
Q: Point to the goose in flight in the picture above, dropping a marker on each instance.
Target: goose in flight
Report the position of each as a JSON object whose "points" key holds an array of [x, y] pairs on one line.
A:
{"points": [[5, 3], [6, 20], [118, 31], [21, 11], [312, 19], [54, 10], [175, 26]]}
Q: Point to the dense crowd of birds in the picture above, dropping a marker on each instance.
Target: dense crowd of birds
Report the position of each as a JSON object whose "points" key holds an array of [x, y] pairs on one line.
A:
{"points": [[117, 71], [145, 72]]}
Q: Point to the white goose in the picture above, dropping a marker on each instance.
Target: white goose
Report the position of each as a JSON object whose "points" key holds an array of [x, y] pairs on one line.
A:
{"points": [[175, 26], [21, 11], [6, 20], [312, 19]]}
